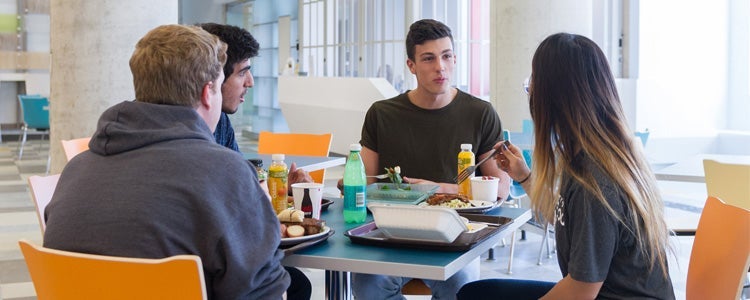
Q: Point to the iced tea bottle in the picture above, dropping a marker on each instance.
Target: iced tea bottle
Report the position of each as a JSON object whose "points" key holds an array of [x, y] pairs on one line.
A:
{"points": [[465, 160], [277, 182]]}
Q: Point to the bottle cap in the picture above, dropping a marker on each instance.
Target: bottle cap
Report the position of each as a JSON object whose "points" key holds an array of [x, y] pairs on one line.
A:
{"points": [[355, 147], [277, 156], [466, 147]]}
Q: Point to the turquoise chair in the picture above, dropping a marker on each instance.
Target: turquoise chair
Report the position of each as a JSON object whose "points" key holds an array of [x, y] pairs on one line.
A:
{"points": [[35, 111]]}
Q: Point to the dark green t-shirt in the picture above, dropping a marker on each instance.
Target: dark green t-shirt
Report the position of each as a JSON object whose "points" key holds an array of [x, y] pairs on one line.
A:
{"points": [[426, 142]]}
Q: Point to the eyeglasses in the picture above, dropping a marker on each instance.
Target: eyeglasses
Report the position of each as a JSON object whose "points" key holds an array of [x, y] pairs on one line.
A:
{"points": [[526, 84]]}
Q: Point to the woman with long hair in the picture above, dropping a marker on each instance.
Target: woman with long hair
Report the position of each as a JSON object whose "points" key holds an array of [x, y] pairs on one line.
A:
{"points": [[590, 180]]}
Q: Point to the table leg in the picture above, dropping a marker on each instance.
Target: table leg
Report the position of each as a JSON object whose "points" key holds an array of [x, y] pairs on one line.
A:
{"points": [[338, 285]]}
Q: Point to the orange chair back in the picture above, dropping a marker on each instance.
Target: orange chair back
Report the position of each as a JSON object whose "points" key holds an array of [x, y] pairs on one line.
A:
{"points": [[75, 146], [69, 275], [42, 188], [721, 252], [302, 144]]}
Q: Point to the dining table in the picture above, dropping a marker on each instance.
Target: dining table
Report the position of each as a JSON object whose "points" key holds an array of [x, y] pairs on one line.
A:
{"points": [[340, 257], [307, 163], [690, 169]]}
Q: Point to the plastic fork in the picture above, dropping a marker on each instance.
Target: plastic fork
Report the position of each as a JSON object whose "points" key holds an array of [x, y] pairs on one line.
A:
{"points": [[381, 176], [470, 170]]}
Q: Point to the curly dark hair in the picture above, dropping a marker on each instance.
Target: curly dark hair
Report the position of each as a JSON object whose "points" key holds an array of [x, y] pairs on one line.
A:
{"points": [[241, 45], [425, 30]]}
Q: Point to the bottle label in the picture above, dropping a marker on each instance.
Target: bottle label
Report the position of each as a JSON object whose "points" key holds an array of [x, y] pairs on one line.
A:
{"points": [[277, 173], [361, 199], [354, 197]]}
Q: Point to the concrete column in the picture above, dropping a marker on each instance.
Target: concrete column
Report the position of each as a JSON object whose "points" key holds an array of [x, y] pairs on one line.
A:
{"points": [[517, 28], [91, 43]]}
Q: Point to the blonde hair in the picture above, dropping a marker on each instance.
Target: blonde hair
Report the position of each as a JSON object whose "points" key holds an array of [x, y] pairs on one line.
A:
{"points": [[172, 63], [577, 112]]}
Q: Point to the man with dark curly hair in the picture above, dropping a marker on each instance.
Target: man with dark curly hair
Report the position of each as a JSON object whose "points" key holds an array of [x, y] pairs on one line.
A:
{"points": [[241, 48]]}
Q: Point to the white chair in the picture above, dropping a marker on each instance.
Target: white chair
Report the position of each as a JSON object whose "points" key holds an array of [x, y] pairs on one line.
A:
{"points": [[42, 188], [75, 146]]}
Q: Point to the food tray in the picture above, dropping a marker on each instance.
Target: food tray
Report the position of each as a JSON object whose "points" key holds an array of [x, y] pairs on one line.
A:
{"points": [[370, 234], [418, 192]]}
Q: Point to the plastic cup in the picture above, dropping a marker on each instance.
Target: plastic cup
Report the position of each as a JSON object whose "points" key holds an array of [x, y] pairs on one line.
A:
{"points": [[304, 191], [484, 188]]}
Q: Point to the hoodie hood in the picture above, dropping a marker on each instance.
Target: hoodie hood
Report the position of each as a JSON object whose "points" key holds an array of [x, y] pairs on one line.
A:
{"points": [[132, 125]]}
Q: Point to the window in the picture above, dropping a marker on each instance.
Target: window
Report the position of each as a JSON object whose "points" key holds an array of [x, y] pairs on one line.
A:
{"points": [[693, 66], [366, 39]]}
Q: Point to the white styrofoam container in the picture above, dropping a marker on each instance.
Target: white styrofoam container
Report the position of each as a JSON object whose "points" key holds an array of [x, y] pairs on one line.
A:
{"points": [[434, 224]]}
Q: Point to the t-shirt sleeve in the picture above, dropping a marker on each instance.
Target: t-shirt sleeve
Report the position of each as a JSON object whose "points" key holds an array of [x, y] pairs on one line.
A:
{"points": [[369, 137], [593, 236], [492, 131]]}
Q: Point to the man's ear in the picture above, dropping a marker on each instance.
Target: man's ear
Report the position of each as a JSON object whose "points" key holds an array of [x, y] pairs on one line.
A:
{"points": [[410, 64], [206, 95]]}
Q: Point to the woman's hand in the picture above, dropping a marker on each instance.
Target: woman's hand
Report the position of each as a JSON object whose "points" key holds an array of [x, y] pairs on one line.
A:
{"points": [[509, 158]]}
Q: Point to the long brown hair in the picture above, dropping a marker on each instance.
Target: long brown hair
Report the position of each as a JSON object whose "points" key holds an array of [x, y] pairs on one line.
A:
{"points": [[577, 112]]}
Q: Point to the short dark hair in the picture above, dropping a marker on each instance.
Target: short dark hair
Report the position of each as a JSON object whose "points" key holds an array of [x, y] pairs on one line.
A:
{"points": [[241, 45], [425, 30]]}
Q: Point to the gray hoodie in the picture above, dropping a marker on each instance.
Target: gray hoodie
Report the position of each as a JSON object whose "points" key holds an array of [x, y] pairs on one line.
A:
{"points": [[155, 184]]}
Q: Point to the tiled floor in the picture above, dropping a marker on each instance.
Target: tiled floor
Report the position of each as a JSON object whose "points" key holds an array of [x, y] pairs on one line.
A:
{"points": [[18, 220]]}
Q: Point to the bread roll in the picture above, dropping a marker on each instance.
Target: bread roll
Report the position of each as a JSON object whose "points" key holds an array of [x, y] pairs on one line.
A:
{"points": [[291, 216]]}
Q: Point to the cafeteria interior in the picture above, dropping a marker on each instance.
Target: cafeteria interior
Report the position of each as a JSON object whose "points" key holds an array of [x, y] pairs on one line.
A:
{"points": [[18, 221]]}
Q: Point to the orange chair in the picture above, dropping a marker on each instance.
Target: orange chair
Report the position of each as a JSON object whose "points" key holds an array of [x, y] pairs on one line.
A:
{"points": [[75, 146], [69, 275], [42, 188], [296, 144], [721, 252], [416, 287]]}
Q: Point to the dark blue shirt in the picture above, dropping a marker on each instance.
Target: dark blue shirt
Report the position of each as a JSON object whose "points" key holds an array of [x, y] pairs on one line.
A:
{"points": [[224, 133]]}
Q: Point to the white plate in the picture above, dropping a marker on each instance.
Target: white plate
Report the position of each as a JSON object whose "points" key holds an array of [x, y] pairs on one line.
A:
{"points": [[478, 205], [297, 240]]}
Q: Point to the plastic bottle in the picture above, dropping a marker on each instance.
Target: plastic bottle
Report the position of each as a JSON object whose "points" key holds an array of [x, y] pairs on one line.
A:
{"points": [[355, 185], [262, 174], [465, 160], [277, 182]]}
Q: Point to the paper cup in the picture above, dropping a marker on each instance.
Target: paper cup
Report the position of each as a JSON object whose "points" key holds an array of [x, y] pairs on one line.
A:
{"points": [[307, 198], [484, 188]]}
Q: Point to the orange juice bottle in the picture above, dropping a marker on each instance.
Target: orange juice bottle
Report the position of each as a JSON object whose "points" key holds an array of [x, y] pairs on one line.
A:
{"points": [[465, 160], [277, 182]]}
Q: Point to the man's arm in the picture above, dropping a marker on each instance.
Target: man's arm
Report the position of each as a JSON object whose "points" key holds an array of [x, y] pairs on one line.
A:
{"points": [[371, 159], [489, 168]]}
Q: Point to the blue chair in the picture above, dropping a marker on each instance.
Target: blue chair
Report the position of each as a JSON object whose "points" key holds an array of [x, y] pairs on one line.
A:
{"points": [[35, 111]]}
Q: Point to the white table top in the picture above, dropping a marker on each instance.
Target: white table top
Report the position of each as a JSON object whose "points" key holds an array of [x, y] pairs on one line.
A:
{"points": [[691, 168], [307, 163]]}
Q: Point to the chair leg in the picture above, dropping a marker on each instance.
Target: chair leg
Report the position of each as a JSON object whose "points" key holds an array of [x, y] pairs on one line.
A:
{"points": [[21, 142], [545, 242], [512, 250], [551, 242], [49, 159]]}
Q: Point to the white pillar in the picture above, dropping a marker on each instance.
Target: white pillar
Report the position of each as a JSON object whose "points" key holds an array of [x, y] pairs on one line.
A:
{"points": [[91, 43], [517, 28]]}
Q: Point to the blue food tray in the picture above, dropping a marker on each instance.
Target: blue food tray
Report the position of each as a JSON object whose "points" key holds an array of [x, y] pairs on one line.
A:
{"points": [[418, 193]]}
